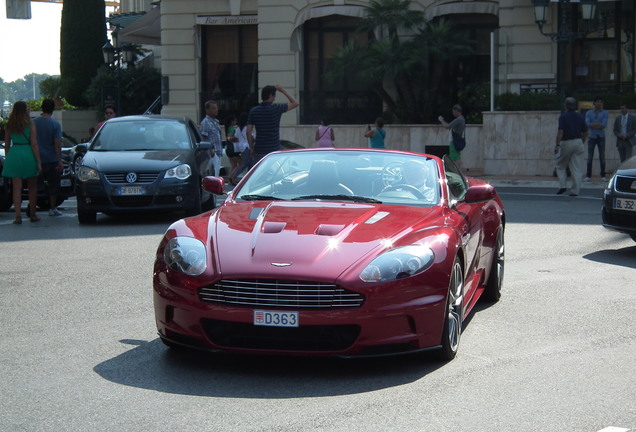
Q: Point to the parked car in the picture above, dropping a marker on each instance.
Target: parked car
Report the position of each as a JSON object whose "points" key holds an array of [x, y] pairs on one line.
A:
{"points": [[619, 200], [333, 252], [144, 163], [67, 183]]}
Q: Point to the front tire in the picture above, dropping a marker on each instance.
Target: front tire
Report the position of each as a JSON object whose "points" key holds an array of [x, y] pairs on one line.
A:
{"points": [[454, 314], [86, 217], [492, 292]]}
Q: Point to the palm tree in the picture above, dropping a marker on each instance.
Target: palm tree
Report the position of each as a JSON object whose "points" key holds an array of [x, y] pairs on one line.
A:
{"points": [[404, 61]]}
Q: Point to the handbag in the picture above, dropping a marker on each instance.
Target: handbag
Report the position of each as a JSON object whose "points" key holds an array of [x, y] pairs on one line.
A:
{"points": [[459, 142]]}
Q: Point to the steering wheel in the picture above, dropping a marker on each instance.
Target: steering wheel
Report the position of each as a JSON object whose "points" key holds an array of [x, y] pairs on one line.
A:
{"points": [[412, 189], [392, 173]]}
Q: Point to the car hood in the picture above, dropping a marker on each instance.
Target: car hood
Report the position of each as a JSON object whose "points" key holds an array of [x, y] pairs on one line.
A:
{"points": [[155, 160], [321, 240]]}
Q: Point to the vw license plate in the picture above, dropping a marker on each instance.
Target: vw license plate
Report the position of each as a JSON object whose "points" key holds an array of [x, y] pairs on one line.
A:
{"points": [[625, 204], [131, 190], [275, 318]]}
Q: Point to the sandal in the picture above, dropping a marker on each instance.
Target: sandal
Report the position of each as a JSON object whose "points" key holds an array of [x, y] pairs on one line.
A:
{"points": [[18, 220], [35, 218]]}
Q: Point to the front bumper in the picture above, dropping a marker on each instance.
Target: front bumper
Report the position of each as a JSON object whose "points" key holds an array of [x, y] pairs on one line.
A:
{"points": [[399, 317]]}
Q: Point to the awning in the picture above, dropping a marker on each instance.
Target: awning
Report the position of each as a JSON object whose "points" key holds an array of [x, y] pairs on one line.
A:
{"points": [[319, 12], [145, 30]]}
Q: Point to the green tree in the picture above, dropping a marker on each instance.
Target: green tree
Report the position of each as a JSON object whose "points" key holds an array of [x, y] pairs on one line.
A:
{"points": [[140, 86], [82, 36], [405, 60], [51, 87]]}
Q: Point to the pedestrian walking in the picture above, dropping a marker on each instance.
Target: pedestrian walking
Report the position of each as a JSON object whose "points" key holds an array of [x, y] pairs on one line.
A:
{"points": [[625, 131], [324, 134], [49, 138], [22, 159], [264, 120], [569, 147], [211, 131], [596, 121], [457, 126], [376, 135]]}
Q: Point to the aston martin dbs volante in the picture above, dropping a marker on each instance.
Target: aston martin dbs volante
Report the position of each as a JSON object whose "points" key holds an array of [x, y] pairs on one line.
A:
{"points": [[333, 252]]}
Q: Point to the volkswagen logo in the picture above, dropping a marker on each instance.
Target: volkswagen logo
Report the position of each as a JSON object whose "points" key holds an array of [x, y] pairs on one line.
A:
{"points": [[131, 177]]}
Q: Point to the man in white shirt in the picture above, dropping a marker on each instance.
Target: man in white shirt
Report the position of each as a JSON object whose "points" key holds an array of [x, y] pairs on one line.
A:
{"points": [[625, 131]]}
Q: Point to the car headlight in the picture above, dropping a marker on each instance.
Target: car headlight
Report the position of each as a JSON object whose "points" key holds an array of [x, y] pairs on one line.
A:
{"points": [[180, 172], [87, 174], [185, 255], [398, 263]]}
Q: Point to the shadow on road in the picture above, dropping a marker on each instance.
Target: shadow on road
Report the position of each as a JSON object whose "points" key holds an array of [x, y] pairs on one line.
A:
{"points": [[152, 366], [620, 257]]}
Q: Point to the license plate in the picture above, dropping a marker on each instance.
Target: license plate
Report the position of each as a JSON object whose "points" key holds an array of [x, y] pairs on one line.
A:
{"points": [[625, 204], [131, 190], [65, 182], [275, 318]]}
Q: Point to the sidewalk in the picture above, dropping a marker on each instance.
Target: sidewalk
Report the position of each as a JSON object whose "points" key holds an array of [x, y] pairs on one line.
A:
{"points": [[538, 181]]}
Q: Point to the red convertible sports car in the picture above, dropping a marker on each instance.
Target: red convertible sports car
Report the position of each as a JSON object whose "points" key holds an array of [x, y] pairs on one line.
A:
{"points": [[333, 252]]}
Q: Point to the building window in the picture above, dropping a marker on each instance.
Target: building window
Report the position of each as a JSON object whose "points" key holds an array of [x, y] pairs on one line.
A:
{"points": [[230, 68], [343, 102]]}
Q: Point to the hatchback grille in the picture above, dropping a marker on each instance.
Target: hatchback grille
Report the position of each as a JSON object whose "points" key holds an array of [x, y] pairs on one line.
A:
{"points": [[626, 184], [120, 177], [280, 294]]}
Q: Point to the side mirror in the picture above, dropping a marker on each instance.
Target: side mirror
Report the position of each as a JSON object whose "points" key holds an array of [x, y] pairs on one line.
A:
{"points": [[480, 193], [204, 145], [215, 185]]}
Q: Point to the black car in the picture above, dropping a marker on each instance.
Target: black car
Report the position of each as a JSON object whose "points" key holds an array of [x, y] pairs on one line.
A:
{"points": [[144, 163], [67, 183], [619, 199]]}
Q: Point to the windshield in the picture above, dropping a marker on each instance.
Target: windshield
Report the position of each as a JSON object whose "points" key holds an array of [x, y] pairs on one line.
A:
{"points": [[141, 135], [347, 175]]}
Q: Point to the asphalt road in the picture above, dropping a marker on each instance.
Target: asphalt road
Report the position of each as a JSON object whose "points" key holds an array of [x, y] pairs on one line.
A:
{"points": [[79, 351]]}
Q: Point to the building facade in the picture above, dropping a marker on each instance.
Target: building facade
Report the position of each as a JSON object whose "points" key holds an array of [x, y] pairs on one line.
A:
{"points": [[228, 49]]}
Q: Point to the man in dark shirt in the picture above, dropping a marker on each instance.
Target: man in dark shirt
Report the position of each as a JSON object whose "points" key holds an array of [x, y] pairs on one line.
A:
{"points": [[265, 119], [569, 150]]}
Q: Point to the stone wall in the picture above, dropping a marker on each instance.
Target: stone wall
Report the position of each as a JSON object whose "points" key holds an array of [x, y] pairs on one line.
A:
{"points": [[508, 143]]}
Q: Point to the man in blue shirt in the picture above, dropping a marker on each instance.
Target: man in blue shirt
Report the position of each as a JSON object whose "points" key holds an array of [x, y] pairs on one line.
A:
{"points": [[596, 121], [569, 147], [265, 119], [49, 137], [211, 131]]}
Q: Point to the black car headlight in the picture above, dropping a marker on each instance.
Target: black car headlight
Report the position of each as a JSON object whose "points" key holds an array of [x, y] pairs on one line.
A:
{"points": [[180, 172], [87, 174], [186, 255], [398, 263]]}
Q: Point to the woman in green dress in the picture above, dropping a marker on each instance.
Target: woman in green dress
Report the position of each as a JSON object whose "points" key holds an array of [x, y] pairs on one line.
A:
{"points": [[22, 158]]}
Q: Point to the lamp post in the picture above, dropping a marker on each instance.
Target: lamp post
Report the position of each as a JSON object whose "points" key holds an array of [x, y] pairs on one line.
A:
{"points": [[116, 55], [564, 35]]}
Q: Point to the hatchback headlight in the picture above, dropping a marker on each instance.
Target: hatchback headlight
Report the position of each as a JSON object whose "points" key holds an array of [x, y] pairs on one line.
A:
{"points": [[87, 174], [180, 172], [398, 263], [186, 255]]}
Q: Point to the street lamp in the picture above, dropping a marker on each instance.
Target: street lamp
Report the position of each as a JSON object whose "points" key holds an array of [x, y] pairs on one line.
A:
{"points": [[115, 55], [563, 35]]}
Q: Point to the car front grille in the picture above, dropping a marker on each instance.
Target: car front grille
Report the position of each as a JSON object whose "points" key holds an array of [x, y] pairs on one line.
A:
{"points": [[620, 219], [303, 338], [132, 201], [625, 184], [280, 294], [120, 177]]}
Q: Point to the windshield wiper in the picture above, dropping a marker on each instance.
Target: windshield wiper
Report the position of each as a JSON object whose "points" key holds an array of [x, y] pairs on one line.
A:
{"points": [[258, 198], [354, 198]]}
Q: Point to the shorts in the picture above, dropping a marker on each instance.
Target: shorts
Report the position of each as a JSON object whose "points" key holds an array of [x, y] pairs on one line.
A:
{"points": [[51, 176]]}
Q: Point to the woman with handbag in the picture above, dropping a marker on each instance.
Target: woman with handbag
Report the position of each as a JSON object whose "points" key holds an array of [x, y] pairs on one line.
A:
{"points": [[457, 127], [22, 158], [324, 134]]}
